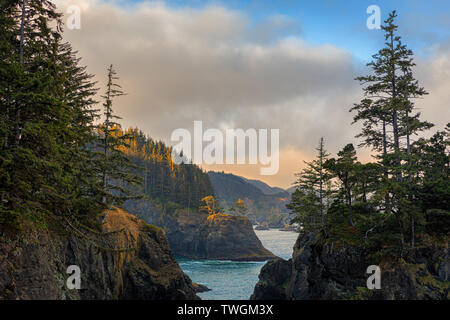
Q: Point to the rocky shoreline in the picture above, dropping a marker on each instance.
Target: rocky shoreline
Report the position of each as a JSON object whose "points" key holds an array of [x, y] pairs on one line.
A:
{"points": [[134, 261], [322, 271]]}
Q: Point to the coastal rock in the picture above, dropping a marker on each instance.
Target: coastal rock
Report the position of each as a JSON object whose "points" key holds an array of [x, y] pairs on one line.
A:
{"points": [[134, 261], [199, 236], [200, 287], [216, 237], [319, 270], [273, 279]]}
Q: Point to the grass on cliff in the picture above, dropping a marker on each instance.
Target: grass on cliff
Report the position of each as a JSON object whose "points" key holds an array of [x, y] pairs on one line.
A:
{"points": [[220, 215]]}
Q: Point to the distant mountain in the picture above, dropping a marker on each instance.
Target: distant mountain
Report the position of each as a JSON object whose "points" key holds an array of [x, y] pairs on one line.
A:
{"points": [[265, 188], [263, 201], [291, 189]]}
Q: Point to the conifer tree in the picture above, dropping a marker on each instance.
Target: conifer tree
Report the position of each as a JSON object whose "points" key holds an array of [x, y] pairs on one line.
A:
{"points": [[313, 189], [115, 167], [345, 168], [389, 119], [47, 119]]}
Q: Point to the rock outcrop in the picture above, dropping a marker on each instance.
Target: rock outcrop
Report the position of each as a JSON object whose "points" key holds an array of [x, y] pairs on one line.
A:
{"points": [[199, 236], [320, 270], [134, 261], [200, 287], [216, 237]]}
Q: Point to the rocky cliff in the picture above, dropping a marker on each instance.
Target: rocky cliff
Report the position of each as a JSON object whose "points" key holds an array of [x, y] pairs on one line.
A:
{"points": [[199, 236], [132, 261], [217, 237], [322, 270]]}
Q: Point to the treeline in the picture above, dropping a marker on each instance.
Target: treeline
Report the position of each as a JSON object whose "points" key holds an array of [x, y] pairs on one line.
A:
{"points": [[162, 179], [393, 203], [57, 160], [46, 117]]}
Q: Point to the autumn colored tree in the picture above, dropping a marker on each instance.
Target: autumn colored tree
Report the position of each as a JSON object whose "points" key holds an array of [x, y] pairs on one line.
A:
{"points": [[211, 206]]}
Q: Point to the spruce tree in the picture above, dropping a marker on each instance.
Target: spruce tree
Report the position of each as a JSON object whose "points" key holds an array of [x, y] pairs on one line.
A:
{"points": [[345, 168], [389, 94], [46, 119], [313, 190], [115, 167]]}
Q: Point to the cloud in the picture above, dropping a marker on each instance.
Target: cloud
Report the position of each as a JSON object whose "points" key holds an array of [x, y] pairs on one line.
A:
{"points": [[433, 73], [217, 65]]}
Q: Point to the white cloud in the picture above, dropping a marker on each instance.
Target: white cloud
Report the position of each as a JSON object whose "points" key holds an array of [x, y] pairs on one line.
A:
{"points": [[213, 64]]}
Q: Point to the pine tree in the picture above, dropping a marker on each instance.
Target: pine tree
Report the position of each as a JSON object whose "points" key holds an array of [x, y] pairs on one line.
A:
{"points": [[115, 167], [47, 119], [313, 189], [389, 94], [345, 168]]}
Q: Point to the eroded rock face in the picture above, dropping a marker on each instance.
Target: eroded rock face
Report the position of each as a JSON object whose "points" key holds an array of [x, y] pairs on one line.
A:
{"points": [[133, 262], [217, 237], [273, 280], [198, 236], [320, 270]]}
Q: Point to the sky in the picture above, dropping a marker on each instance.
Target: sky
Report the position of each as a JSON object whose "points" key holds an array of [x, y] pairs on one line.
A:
{"points": [[287, 65]]}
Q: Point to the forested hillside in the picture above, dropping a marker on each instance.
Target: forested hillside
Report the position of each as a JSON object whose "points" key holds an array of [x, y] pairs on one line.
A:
{"points": [[60, 168], [57, 159], [265, 188], [261, 206], [163, 180]]}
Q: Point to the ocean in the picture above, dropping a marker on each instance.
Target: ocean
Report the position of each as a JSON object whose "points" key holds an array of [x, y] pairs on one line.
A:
{"points": [[231, 280]]}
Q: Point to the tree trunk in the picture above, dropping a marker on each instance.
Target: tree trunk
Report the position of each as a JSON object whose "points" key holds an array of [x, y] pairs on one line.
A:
{"points": [[18, 128], [349, 201], [395, 116], [386, 175], [408, 150], [5, 143], [22, 28], [364, 195]]}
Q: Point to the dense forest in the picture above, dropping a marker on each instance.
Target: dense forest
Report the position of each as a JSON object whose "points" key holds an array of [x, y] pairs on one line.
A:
{"points": [[396, 203], [163, 180], [63, 156]]}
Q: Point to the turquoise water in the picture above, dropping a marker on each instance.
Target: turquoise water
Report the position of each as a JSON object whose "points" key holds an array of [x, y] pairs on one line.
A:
{"points": [[230, 280]]}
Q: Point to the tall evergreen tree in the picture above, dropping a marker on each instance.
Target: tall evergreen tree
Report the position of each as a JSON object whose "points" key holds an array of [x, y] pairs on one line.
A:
{"points": [[345, 168], [389, 94], [46, 116], [313, 188], [114, 165]]}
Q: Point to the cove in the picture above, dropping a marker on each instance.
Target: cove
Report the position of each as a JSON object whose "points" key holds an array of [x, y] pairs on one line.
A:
{"points": [[234, 280]]}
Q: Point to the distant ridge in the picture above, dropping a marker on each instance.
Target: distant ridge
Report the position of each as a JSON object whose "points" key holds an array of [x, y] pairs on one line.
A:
{"points": [[291, 189], [265, 188], [265, 203]]}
